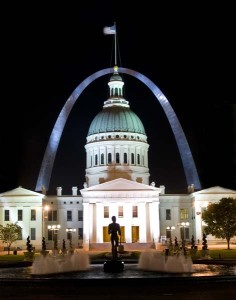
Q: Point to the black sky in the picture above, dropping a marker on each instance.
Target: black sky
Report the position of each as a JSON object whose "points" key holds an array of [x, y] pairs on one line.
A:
{"points": [[188, 52]]}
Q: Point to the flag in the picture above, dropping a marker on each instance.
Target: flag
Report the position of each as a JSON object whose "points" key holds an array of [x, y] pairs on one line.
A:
{"points": [[110, 30]]}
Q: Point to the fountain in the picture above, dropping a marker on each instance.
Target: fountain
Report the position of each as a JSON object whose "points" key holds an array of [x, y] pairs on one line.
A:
{"points": [[61, 263], [153, 260]]}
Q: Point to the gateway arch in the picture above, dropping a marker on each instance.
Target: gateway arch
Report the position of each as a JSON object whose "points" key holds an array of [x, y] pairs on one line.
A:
{"points": [[54, 140]]}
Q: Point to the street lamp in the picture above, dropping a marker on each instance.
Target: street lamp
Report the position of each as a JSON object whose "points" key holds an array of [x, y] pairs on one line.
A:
{"points": [[54, 229], [70, 231]]}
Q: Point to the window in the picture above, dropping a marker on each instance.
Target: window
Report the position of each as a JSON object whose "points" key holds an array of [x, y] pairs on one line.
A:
{"points": [[50, 235], [168, 234], [96, 160], [106, 211], [33, 215], [109, 158], [125, 158], [33, 234], [117, 158], [52, 215], [184, 232], [135, 211], [80, 233], [168, 214], [80, 215], [102, 159], [132, 158], [69, 215], [183, 214], [138, 158], [20, 215], [120, 212], [7, 215]]}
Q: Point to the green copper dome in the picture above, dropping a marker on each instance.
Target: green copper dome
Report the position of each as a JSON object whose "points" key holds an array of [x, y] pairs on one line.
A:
{"points": [[116, 118]]}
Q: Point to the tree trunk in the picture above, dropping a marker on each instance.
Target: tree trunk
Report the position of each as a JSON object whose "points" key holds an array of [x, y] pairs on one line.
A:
{"points": [[228, 240]]}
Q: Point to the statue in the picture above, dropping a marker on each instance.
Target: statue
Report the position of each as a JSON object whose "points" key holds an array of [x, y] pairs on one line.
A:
{"points": [[114, 231]]}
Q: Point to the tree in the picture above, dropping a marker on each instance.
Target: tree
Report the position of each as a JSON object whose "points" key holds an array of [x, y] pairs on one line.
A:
{"points": [[44, 244], [9, 234], [29, 245], [221, 219], [204, 242], [192, 242]]}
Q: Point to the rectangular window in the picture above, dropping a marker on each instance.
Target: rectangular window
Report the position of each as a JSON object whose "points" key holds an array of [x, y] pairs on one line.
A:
{"points": [[80, 233], [183, 214], [50, 235], [106, 211], [120, 212], [80, 215], [20, 215], [184, 232], [52, 215], [135, 211], [168, 234], [69, 215], [168, 214], [33, 234], [7, 215], [33, 215]]}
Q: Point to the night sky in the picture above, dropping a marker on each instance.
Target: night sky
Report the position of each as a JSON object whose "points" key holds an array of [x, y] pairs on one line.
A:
{"points": [[188, 52]]}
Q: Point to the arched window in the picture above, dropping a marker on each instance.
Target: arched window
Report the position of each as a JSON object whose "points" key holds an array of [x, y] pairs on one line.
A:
{"points": [[125, 158], [96, 159], [109, 158], [102, 159], [132, 158], [138, 158], [117, 158]]}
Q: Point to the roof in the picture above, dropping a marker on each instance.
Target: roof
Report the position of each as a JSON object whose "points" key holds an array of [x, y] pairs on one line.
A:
{"points": [[116, 119], [215, 190], [20, 192]]}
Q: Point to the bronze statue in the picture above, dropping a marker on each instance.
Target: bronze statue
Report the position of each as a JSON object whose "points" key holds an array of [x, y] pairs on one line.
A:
{"points": [[114, 231]]}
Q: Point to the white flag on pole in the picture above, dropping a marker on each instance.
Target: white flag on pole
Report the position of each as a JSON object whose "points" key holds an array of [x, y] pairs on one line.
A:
{"points": [[110, 30]]}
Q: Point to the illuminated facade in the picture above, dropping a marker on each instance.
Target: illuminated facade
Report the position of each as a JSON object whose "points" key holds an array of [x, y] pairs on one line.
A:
{"points": [[116, 183]]}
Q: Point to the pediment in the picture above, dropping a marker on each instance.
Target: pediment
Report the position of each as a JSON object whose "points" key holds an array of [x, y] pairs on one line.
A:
{"points": [[20, 192], [121, 184], [215, 190]]}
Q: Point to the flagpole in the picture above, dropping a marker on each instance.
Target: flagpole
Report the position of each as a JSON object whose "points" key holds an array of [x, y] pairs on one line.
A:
{"points": [[115, 47]]}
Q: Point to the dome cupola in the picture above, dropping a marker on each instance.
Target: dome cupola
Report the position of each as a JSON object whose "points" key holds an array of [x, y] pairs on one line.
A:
{"points": [[116, 142]]}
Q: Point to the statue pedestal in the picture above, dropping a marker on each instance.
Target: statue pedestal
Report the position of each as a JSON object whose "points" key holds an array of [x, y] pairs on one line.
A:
{"points": [[113, 265]]}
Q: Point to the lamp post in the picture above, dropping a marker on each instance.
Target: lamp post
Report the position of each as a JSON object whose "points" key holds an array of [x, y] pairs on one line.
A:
{"points": [[70, 231], [54, 229]]}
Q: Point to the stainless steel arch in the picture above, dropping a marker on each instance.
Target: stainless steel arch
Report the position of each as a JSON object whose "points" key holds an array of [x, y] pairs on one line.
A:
{"points": [[51, 150]]}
